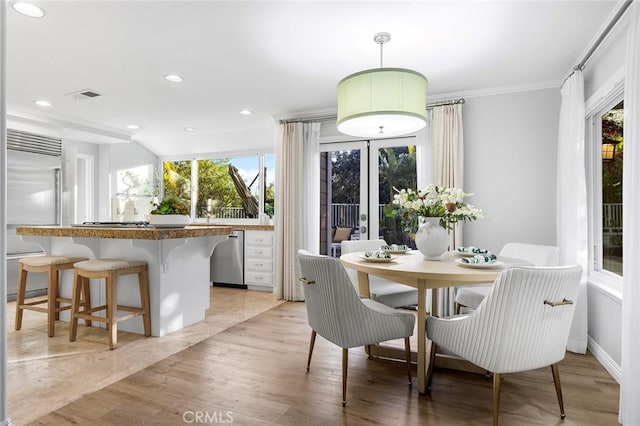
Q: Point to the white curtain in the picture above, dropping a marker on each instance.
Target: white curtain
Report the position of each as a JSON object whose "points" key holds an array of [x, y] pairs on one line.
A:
{"points": [[297, 203], [448, 166], [630, 386], [571, 199]]}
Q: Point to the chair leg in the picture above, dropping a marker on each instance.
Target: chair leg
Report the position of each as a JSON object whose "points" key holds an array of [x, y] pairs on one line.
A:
{"points": [[432, 361], [556, 381], [407, 354], [22, 288], [345, 363], [311, 343], [496, 398]]}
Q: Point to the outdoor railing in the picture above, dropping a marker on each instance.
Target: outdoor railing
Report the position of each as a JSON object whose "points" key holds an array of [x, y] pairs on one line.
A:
{"points": [[612, 217], [348, 215]]}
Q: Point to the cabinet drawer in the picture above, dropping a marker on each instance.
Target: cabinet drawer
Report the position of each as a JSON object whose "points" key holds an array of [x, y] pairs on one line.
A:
{"points": [[258, 265], [258, 252], [259, 238], [258, 278]]}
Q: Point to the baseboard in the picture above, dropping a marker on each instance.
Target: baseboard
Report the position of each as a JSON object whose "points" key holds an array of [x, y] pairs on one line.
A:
{"points": [[603, 357]]}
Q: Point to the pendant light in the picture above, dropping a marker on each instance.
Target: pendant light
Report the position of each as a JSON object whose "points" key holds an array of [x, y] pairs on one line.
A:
{"points": [[382, 102]]}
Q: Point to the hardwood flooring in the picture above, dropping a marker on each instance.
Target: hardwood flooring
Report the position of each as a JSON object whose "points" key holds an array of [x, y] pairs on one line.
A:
{"points": [[253, 373]]}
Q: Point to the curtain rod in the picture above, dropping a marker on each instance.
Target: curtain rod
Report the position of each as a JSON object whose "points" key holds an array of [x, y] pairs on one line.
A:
{"points": [[334, 116], [603, 35]]}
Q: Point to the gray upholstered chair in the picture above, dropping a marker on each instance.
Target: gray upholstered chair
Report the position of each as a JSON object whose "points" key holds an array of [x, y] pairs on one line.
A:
{"points": [[522, 324], [336, 313], [538, 255], [384, 291]]}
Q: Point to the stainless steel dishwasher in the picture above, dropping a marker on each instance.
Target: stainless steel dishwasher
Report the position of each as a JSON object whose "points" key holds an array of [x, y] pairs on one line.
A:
{"points": [[227, 262]]}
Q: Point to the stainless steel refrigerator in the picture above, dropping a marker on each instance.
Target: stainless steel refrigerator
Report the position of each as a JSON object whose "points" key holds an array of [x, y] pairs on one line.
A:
{"points": [[34, 172]]}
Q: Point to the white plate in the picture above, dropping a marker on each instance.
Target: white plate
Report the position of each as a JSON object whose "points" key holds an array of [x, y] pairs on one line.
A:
{"points": [[396, 251], [493, 265], [468, 254], [377, 259]]}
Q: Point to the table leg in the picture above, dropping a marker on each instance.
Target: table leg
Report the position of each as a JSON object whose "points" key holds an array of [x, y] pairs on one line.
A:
{"points": [[363, 284], [422, 337]]}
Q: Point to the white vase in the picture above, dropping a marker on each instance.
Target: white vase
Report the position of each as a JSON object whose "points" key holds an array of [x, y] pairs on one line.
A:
{"points": [[432, 240]]}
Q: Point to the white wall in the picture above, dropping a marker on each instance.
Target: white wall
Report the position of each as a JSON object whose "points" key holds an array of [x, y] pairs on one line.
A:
{"points": [[510, 166]]}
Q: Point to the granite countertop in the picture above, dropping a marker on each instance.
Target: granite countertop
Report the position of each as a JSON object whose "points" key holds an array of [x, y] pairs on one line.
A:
{"points": [[144, 233]]}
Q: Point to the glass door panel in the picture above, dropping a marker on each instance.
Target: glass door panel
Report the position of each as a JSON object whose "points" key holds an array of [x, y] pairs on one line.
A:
{"points": [[393, 167], [343, 195]]}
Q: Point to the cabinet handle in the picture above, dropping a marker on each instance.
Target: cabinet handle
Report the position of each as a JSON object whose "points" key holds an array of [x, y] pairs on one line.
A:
{"points": [[259, 252], [258, 278], [259, 264]]}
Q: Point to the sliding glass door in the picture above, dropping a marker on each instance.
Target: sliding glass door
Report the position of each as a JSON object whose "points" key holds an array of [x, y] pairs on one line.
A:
{"points": [[357, 183]]}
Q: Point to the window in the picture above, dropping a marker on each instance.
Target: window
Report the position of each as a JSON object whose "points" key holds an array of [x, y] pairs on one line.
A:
{"points": [[607, 124], [224, 188], [611, 136]]}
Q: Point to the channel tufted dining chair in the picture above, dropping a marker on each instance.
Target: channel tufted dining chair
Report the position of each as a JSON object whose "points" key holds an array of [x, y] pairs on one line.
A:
{"points": [[538, 255], [384, 291], [337, 313], [522, 324]]}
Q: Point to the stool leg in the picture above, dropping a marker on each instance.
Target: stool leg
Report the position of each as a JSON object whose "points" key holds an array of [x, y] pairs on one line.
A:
{"points": [[57, 294], [75, 306], [52, 295], [143, 279], [22, 288], [112, 307], [86, 299]]}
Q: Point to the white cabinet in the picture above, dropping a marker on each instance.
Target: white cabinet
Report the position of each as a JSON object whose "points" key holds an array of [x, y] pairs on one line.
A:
{"points": [[258, 260]]}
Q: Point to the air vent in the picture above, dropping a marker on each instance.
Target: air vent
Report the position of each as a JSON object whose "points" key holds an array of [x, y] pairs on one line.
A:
{"points": [[84, 94], [30, 142]]}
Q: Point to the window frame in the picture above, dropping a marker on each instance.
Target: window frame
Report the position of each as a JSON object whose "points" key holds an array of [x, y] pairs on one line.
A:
{"points": [[597, 106]]}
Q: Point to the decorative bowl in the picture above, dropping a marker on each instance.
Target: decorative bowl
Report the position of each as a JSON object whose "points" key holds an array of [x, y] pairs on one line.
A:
{"points": [[169, 220]]}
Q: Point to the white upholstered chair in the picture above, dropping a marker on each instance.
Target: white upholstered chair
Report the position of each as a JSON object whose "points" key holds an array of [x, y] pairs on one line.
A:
{"points": [[538, 255], [384, 291], [522, 324], [335, 312]]}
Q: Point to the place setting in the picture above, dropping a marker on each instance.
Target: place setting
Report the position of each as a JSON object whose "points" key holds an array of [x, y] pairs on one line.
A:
{"points": [[377, 256], [477, 258]]}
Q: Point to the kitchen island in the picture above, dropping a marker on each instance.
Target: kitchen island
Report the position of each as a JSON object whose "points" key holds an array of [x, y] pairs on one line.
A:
{"points": [[178, 261]]}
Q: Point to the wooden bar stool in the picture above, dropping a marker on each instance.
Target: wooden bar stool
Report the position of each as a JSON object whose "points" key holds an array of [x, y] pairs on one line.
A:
{"points": [[109, 270], [51, 265]]}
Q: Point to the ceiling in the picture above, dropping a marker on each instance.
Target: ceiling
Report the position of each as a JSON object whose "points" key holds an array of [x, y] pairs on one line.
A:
{"points": [[274, 58]]}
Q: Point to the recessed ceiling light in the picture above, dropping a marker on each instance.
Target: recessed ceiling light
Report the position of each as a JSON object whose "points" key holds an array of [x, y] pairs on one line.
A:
{"points": [[246, 112], [28, 9], [174, 78], [42, 103], [189, 129], [133, 126]]}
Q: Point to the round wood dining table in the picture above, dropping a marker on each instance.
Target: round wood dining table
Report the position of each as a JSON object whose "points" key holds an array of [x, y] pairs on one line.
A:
{"points": [[412, 269]]}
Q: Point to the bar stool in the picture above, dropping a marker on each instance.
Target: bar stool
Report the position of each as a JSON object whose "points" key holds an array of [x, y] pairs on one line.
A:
{"points": [[51, 265], [109, 270]]}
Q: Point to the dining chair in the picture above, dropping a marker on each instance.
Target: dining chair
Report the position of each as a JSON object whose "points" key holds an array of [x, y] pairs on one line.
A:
{"points": [[384, 291], [337, 313], [538, 255], [522, 324]]}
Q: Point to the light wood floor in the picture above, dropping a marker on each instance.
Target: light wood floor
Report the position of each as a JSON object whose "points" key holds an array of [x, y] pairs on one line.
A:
{"points": [[254, 373]]}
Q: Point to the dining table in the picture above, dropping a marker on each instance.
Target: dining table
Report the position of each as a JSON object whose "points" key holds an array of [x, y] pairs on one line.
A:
{"points": [[412, 269]]}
